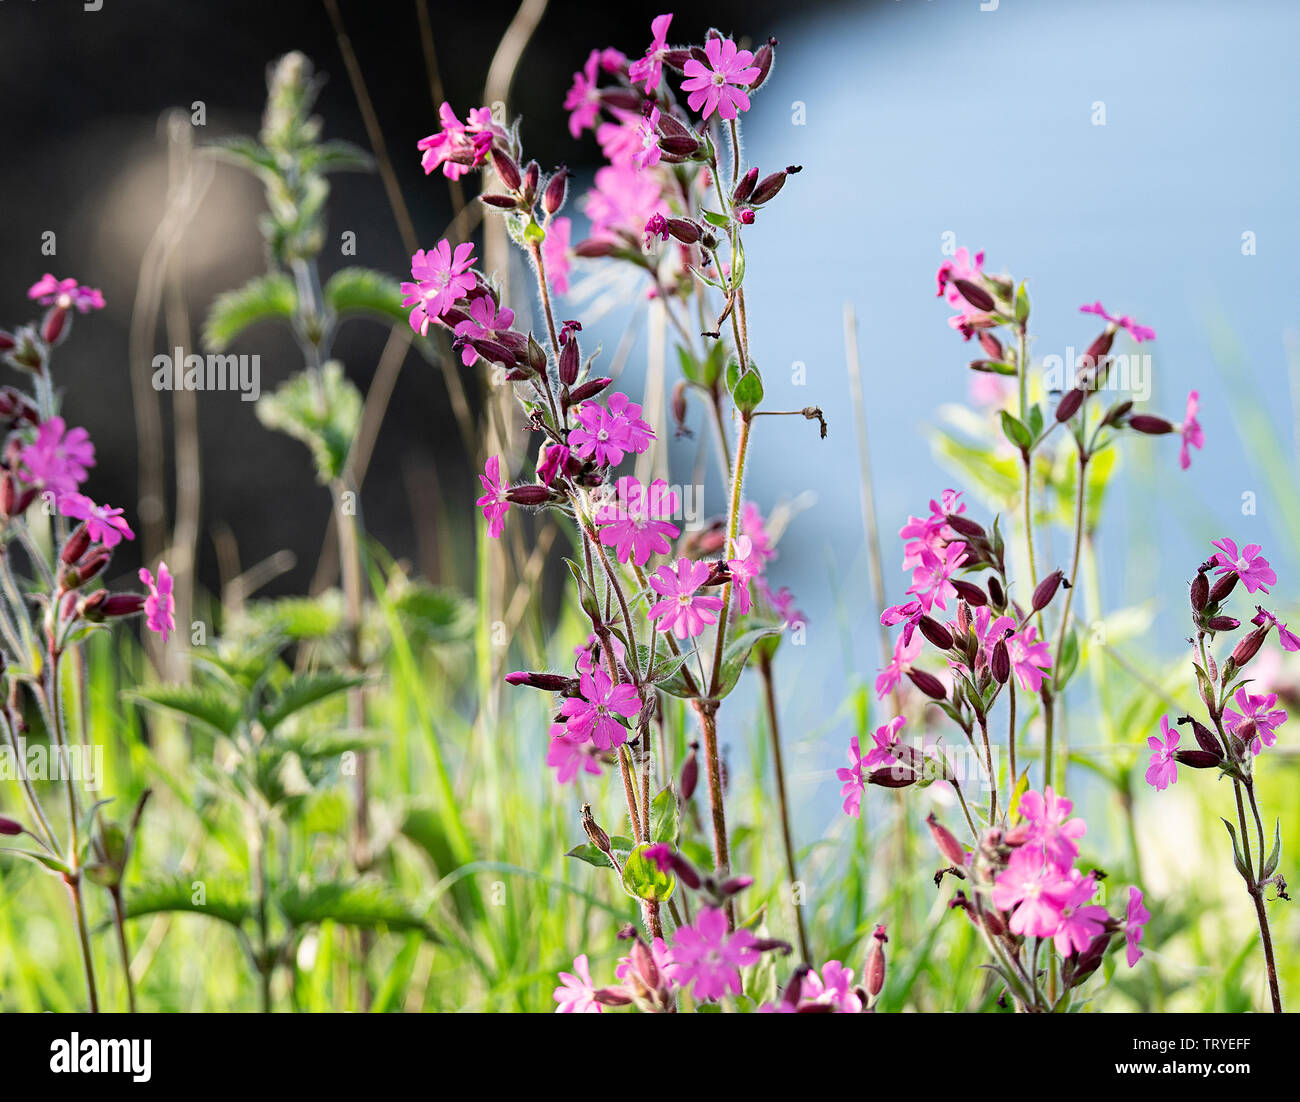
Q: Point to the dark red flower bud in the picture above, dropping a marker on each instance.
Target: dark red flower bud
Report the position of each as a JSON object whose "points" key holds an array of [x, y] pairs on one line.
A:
{"points": [[1149, 424], [54, 325], [612, 996], [557, 190], [1222, 588], [119, 604], [1223, 623], [1046, 589], [7, 341], [991, 345], [589, 389], [532, 175], [528, 495], [966, 527], [768, 187], [1069, 404], [763, 58], [682, 147], [928, 684], [745, 188], [504, 166], [891, 776], [1000, 662], [684, 230], [1200, 592], [76, 545], [1248, 647], [550, 682], [997, 597], [10, 827], [690, 774], [500, 202], [946, 841], [1204, 736], [1100, 347], [934, 631], [974, 294], [569, 358], [969, 592], [875, 970], [593, 248]]}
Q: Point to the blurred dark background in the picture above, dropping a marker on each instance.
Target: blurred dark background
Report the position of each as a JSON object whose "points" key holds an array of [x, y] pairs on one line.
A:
{"points": [[82, 95]]}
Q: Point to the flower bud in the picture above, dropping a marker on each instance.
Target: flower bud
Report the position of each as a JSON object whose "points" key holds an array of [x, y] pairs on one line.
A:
{"points": [[1197, 759], [1149, 425], [875, 970], [934, 631], [1223, 623], [550, 682], [991, 345], [1000, 662], [1248, 647], [1100, 347], [966, 527], [589, 389], [55, 324], [10, 827], [1200, 594], [76, 545], [745, 188], [1069, 404], [593, 248], [532, 174], [1204, 736], [974, 294], [557, 190], [528, 495], [946, 841], [690, 774], [569, 363], [7, 342], [891, 777], [969, 592], [684, 230], [769, 186], [997, 597], [1221, 589], [763, 58], [928, 684], [1046, 589]]}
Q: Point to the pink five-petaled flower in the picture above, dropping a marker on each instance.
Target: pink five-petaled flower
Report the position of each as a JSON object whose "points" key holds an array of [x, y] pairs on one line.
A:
{"points": [[854, 784], [931, 584], [632, 140], [1289, 639], [583, 99], [929, 533], [65, 294], [682, 611], [649, 69], [591, 715], [1029, 658], [567, 754], [458, 147], [485, 322], [104, 523], [723, 83], [905, 653], [1163, 770], [909, 615], [576, 993], [1081, 920], [885, 738], [1134, 923], [590, 656], [1050, 827], [622, 202], [706, 956], [1259, 713], [554, 457], [639, 432], [493, 502], [441, 277], [635, 523], [1032, 885], [1138, 332], [57, 459], [160, 605], [1250, 566], [746, 566], [753, 526], [1190, 430], [833, 986], [607, 433]]}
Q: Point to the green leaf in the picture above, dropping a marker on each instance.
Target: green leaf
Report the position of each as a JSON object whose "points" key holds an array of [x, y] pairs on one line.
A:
{"points": [[367, 904], [440, 614], [298, 618], [303, 691], [713, 218], [748, 391], [1022, 304], [323, 412], [1275, 855], [364, 291], [664, 817], [205, 705], [737, 654], [1068, 660], [46, 860], [246, 153], [270, 297], [1015, 431], [586, 598], [588, 852], [225, 900], [643, 879], [1236, 851]]}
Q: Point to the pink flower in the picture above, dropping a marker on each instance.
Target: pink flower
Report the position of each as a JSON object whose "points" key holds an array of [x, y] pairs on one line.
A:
{"points": [[1080, 919], [929, 533], [707, 958], [1163, 770], [1139, 333], [1050, 827], [607, 433], [931, 584], [961, 267], [576, 993], [649, 69], [583, 100], [458, 147], [885, 738], [909, 615], [1251, 567], [782, 602], [752, 525], [1032, 885], [1134, 923], [632, 140], [486, 322], [160, 605], [1257, 716], [904, 655], [854, 785], [591, 655], [833, 986], [682, 611], [554, 457], [441, 277], [65, 294], [721, 85], [746, 566], [1029, 659], [493, 502], [555, 254], [567, 754], [636, 525], [591, 716], [1192, 434], [659, 953], [623, 201], [639, 432], [1289, 640], [57, 459], [104, 523]]}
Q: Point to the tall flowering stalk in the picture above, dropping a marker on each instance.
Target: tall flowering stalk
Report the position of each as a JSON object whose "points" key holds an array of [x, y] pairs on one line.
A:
{"points": [[1243, 723], [67, 541], [687, 626]]}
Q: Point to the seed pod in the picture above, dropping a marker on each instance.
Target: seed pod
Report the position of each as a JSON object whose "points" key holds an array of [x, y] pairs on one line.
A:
{"points": [[678, 404], [1000, 662], [1204, 736], [550, 682], [969, 592], [504, 166], [500, 202], [875, 970], [1200, 594], [946, 841], [1197, 759], [528, 495], [1221, 589], [557, 190], [964, 526], [745, 188], [997, 597], [569, 363], [934, 631], [1149, 425], [763, 58], [1248, 647], [1046, 590], [974, 294], [891, 777], [589, 389], [1069, 404], [1223, 623], [598, 837], [928, 684]]}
